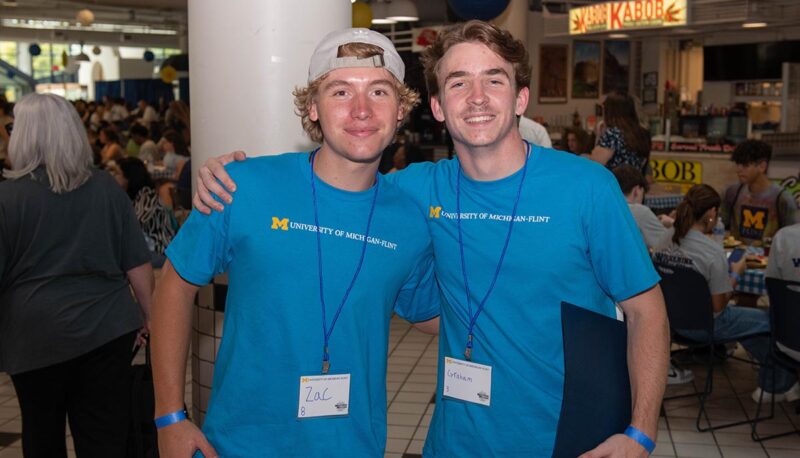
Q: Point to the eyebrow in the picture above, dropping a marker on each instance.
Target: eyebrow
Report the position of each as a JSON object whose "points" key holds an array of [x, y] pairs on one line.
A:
{"points": [[489, 72], [337, 83]]}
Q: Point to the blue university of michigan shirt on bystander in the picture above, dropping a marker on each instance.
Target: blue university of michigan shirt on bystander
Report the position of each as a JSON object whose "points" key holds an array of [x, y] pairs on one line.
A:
{"points": [[573, 240], [267, 242]]}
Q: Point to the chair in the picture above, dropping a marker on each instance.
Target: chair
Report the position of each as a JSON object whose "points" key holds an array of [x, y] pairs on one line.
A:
{"points": [[596, 381], [784, 320], [689, 308]]}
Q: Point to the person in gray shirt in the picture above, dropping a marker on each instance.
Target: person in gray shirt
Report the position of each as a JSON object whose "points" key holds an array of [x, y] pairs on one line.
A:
{"points": [[634, 185], [689, 245], [70, 250], [784, 264]]}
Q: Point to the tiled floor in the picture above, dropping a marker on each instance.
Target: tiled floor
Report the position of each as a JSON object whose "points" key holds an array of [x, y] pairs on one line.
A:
{"points": [[411, 382]]}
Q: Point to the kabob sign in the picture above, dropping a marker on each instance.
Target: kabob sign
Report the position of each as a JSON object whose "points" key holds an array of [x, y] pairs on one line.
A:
{"points": [[627, 15]]}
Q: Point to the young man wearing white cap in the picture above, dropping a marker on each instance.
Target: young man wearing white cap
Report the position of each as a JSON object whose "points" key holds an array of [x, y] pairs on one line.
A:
{"points": [[517, 229], [334, 244]]}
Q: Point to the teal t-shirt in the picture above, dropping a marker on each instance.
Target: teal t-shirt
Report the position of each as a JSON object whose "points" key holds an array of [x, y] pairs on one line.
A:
{"points": [[573, 240], [266, 241]]}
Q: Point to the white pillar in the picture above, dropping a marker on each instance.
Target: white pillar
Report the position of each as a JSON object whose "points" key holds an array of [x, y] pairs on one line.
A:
{"points": [[515, 20], [245, 58]]}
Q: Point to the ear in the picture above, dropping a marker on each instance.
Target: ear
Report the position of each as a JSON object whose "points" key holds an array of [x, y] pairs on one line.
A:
{"points": [[522, 101], [436, 108], [401, 112], [313, 115], [762, 166]]}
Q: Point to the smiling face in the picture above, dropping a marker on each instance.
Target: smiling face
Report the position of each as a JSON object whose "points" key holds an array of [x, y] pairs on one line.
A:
{"points": [[359, 111], [478, 99]]}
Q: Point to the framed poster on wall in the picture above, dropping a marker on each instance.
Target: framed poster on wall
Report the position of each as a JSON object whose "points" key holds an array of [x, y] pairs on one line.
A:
{"points": [[553, 73], [586, 69], [616, 66]]}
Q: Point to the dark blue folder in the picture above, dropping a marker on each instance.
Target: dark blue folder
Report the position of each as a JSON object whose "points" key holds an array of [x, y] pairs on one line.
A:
{"points": [[597, 390]]}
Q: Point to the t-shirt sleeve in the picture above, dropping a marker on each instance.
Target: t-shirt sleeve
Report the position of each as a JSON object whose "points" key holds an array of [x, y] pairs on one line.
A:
{"points": [[201, 249], [134, 248], [652, 229], [718, 278], [419, 299], [608, 139], [415, 181], [620, 260], [776, 256]]}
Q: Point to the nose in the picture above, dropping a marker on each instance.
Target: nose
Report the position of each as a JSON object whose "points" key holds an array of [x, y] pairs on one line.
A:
{"points": [[477, 95], [362, 108]]}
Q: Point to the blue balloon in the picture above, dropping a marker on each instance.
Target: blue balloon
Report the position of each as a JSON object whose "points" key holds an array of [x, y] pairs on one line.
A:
{"points": [[478, 9], [34, 49], [149, 56]]}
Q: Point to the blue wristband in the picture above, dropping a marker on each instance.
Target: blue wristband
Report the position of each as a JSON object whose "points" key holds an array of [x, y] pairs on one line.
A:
{"points": [[641, 438], [170, 419], [736, 277]]}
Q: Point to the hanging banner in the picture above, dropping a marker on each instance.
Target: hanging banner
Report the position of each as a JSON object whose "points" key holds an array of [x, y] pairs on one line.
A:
{"points": [[628, 15]]}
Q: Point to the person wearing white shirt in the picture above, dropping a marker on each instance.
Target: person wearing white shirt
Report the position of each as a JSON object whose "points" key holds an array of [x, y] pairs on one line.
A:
{"points": [[784, 264], [534, 132]]}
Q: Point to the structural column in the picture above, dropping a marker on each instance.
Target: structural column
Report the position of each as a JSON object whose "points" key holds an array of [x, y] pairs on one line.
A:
{"points": [[246, 57]]}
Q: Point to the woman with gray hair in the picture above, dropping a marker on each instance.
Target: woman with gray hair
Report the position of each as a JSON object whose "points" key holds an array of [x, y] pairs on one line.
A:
{"points": [[70, 248]]}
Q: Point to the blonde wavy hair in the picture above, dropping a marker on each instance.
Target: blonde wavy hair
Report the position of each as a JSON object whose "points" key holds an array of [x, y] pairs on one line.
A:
{"points": [[305, 96]]}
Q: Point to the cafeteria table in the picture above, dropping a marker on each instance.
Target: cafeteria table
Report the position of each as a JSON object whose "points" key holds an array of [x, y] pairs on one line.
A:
{"points": [[753, 282]]}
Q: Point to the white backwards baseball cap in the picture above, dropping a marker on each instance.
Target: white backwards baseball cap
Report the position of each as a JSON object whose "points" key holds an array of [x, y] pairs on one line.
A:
{"points": [[325, 57]]}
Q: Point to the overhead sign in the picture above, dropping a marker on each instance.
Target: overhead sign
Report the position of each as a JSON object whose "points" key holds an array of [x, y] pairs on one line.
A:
{"points": [[628, 15], [677, 171]]}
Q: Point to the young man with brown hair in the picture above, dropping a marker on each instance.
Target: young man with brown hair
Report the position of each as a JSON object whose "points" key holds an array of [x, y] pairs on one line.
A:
{"points": [[511, 243], [335, 244]]}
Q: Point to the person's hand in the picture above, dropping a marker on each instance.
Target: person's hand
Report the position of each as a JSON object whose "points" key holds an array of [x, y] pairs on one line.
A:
{"points": [[739, 266], [617, 446], [208, 184], [141, 336], [666, 220], [182, 440]]}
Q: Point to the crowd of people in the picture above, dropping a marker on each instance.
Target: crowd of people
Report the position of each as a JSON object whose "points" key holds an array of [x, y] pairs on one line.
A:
{"points": [[323, 237]]}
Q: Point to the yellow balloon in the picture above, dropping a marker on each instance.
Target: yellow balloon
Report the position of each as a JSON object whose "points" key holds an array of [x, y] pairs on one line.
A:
{"points": [[362, 15], [168, 74]]}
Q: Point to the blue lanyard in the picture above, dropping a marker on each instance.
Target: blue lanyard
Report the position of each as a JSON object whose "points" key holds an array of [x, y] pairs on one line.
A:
{"points": [[474, 318], [326, 332]]}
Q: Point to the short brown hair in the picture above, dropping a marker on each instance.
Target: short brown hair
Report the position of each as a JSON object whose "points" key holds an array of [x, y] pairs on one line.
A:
{"points": [[500, 41], [304, 96]]}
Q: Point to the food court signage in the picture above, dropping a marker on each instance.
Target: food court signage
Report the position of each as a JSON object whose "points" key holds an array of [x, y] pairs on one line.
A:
{"points": [[677, 171], [627, 15]]}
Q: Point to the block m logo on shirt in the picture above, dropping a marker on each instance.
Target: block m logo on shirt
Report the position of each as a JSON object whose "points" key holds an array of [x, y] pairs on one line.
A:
{"points": [[435, 212], [278, 223], [754, 221]]}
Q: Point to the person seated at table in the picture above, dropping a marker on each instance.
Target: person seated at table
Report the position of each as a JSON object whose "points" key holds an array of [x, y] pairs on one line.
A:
{"points": [[784, 263], [534, 132], [576, 141], [688, 244], [146, 149], [633, 186], [175, 152], [112, 148], [157, 221], [755, 208]]}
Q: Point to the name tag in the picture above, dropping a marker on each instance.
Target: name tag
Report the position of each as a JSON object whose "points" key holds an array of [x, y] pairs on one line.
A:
{"points": [[324, 396], [467, 381]]}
